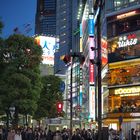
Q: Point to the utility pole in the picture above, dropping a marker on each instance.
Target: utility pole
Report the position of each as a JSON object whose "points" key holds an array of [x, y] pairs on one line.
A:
{"points": [[99, 73], [71, 101], [99, 65]]}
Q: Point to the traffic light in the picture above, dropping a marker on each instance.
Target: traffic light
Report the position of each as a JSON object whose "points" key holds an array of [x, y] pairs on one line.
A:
{"points": [[66, 58], [59, 107]]}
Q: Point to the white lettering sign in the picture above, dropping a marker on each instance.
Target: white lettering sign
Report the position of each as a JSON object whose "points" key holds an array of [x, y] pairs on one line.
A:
{"points": [[135, 114], [127, 41]]}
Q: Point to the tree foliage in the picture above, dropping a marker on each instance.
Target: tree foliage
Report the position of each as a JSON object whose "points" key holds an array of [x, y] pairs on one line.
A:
{"points": [[49, 96], [20, 82]]}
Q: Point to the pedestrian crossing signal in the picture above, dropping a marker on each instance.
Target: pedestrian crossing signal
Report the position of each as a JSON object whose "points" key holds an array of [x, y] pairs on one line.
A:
{"points": [[59, 107]]}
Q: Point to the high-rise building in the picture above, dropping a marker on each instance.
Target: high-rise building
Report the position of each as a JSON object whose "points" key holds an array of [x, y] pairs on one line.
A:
{"points": [[46, 17], [66, 24], [67, 31]]}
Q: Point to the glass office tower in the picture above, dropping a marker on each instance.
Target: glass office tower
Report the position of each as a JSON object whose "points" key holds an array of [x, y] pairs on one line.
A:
{"points": [[66, 24], [46, 17]]}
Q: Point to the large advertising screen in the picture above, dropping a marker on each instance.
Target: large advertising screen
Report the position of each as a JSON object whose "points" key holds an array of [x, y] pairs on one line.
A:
{"points": [[49, 46], [124, 47]]}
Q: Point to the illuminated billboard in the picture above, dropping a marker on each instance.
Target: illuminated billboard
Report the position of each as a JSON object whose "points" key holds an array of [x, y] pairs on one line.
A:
{"points": [[91, 74], [49, 46], [104, 52], [91, 25], [124, 47], [92, 102]]}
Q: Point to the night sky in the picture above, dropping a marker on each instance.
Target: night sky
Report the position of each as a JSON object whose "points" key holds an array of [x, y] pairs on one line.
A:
{"points": [[18, 15]]}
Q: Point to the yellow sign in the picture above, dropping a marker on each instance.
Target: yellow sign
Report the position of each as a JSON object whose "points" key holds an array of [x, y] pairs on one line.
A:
{"points": [[127, 90]]}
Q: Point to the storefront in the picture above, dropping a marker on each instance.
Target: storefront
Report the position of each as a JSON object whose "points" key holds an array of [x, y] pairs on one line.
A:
{"points": [[124, 73], [122, 105]]}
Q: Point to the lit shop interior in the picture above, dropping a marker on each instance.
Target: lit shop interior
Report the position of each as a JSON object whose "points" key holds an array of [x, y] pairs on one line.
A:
{"points": [[124, 90]]}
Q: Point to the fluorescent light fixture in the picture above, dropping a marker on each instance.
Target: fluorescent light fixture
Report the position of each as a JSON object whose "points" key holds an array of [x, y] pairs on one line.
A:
{"points": [[126, 15]]}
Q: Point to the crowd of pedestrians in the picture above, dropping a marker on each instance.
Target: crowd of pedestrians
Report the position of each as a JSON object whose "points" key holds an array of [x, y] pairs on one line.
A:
{"points": [[64, 134], [46, 134], [119, 135]]}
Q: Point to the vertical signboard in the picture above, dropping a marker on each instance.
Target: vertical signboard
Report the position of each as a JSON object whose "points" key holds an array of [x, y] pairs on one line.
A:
{"points": [[104, 52], [91, 25], [81, 34], [91, 48], [92, 102], [81, 83], [80, 96], [91, 74]]}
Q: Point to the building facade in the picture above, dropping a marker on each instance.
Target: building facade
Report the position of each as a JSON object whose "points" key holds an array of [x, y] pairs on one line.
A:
{"points": [[45, 22], [68, 36], [66, 24], [120, 77]]}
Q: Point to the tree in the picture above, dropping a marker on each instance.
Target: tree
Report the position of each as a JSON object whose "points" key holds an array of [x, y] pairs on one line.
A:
{"points": [[49, 97], [20, 83]]}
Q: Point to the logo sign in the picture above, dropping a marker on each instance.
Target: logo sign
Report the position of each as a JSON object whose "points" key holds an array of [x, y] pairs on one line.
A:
{"points": [[130, 90], [129, 40]]}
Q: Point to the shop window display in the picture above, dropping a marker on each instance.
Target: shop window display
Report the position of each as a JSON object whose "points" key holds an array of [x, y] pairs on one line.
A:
{"points": [[123, 104]]}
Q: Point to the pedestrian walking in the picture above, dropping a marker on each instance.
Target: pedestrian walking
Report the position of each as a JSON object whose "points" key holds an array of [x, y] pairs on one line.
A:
{"points": [[57, 136], [121, 135], [17, 135], [11, 134]]}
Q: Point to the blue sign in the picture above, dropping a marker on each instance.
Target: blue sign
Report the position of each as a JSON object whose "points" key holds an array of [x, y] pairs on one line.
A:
{"points": [[91, 27], [62, 86], [81, 34], [80, 100]]}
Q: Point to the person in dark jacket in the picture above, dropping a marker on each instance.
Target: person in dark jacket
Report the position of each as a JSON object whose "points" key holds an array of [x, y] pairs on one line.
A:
{"points": [[29, 134], [76, 135]]}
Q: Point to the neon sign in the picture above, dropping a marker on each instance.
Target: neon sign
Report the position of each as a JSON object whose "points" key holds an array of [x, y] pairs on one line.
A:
{"points": [[127, 40]]}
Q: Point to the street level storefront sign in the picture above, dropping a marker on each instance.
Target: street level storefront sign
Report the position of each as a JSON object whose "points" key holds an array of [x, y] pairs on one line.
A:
{"points": [[129, 90], [135, 114]]}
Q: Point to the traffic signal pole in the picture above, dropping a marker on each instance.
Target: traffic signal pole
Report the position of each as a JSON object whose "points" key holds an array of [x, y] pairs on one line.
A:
{"points": [[99, 78], [71, 100]]}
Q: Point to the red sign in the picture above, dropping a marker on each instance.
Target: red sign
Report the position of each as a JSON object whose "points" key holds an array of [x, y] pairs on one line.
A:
{"points": [[104, 52], [91, 74]]}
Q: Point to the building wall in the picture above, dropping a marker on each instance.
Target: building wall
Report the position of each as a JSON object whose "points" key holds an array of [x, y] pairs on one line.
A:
{"points": [[66, 24], [46, 17], [120, 26]]}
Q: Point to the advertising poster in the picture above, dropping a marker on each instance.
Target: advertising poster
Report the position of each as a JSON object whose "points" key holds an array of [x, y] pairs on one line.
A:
{"points": [[92, 102], [49, 46], [104, 52]]}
